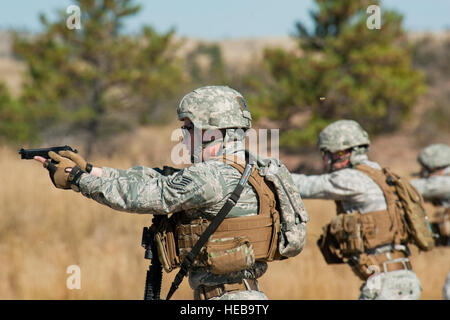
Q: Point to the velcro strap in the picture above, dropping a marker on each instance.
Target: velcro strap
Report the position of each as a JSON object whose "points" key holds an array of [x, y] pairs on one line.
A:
{"points": [[75, 175]]}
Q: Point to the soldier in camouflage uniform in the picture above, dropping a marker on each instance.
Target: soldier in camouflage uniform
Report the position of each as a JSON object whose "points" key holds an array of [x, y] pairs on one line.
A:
{"points": [[434, 185], [344, 145], [198, 191]]}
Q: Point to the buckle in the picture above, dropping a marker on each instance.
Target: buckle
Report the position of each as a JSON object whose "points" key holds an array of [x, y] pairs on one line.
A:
{"points": [[404, 261]]}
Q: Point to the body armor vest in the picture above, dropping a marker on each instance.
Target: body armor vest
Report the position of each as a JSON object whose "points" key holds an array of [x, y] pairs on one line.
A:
{"points": [[236, 244]]}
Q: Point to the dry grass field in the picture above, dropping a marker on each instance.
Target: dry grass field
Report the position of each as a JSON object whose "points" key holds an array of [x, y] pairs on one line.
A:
{"points": [[44, 230]]}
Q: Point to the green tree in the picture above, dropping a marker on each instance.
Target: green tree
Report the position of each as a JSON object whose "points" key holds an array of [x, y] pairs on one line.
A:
{"points": [[344, 70], [15, 119], [96, 80]]}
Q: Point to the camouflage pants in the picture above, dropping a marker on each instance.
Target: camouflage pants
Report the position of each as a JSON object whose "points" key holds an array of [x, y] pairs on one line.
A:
{"points": [[242, 295], [446, 288], [394, 285]]}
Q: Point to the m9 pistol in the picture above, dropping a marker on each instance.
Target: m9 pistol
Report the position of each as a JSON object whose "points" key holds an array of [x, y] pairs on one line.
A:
{"points": [[43, 152]]}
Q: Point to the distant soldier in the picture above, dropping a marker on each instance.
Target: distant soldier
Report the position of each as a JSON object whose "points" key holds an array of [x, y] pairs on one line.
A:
{"points": [[434, 185], [260, 224], [369, 232]]}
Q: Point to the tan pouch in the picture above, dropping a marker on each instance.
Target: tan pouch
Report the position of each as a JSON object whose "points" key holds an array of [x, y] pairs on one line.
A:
{"points": [[352, 228], [227, 255], [167, 251], [329, 247], [346, 229], [337, 227]]}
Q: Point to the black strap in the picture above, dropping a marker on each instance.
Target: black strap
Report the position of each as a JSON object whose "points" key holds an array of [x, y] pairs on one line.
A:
{"points": [[212, 227], [75, 175]]}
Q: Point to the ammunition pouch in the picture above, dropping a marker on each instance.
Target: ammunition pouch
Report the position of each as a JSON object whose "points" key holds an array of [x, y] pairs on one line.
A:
{"points": [[229, 254], [165, 243], [329, 247], [351, 234], [346, 229], [236, 244]]}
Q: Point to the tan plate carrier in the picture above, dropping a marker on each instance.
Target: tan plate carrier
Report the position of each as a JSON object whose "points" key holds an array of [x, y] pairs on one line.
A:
{"points": [[261, 230], [354, 234], [176, 239]]}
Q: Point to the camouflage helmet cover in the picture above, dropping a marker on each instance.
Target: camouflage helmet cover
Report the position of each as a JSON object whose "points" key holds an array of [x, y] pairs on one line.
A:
{"points": [[215, 107], [341, 135], [435, 156]]}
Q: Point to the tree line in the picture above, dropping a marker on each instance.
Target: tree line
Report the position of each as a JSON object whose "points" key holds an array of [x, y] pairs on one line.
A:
{"points": [[97, 82]]}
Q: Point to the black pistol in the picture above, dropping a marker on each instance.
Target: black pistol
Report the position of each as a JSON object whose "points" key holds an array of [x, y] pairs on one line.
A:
{"points": [[43, 152]]}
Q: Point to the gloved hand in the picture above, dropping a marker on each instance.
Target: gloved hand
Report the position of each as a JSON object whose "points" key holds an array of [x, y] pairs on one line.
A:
{"points": [[79, 160], [59, 173]]}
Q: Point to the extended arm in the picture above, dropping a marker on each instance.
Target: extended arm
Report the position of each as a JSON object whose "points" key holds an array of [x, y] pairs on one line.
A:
{"points": [[339, 185], [151, 192], [436, 187]]}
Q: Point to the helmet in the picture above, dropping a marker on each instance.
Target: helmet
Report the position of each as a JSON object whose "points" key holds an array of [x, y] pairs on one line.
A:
{"points": [[341, 135], [215, 107], [435, 156]]}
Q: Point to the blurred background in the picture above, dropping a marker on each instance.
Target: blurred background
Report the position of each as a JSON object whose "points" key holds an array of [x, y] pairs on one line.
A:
{"points": [[110, 89]]}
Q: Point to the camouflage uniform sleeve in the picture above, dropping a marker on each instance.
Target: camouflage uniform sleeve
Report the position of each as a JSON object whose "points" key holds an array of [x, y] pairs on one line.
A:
{"points": [[135, 171], [339, 185], [436, 187], [140, 190]]}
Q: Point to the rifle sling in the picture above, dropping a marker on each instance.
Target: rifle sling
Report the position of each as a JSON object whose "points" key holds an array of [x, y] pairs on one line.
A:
{"points": [[229, 204]]}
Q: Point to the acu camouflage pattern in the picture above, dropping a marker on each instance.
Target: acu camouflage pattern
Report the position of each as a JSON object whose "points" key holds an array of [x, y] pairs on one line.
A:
{"points": [[394, 285], [293, 215], [435, 156], [355, 190], [358, 192], [215, 107], [201, 276], [342, 135], [446, 288], [243, 295], [435, 188]]}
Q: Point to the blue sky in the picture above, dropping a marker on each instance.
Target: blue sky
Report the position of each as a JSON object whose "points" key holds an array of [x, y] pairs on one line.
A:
{"points": [[215, 20]]}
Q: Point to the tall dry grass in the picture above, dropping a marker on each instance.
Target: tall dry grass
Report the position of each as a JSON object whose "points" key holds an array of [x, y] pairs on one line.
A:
{"points": [[44, 230]]}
